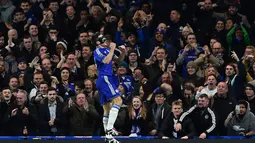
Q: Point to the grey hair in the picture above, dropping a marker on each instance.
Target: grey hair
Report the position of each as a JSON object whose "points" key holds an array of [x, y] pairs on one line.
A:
{"points": [[14, 31], [24, 92]]}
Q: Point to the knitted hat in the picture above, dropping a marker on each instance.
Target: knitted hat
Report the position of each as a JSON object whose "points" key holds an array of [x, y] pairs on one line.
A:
{"points": [[159, 30], [21, 59], [192, 64], [123, 64], [220, 19], [159, 91], [63, 43], [251, 85], [127, 88]]}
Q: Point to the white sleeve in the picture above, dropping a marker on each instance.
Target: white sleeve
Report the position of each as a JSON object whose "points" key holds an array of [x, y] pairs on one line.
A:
{"points": [[32, 93]]}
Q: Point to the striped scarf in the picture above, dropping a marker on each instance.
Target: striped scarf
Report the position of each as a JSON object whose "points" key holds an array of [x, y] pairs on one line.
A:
{"points": [[11, 67]]}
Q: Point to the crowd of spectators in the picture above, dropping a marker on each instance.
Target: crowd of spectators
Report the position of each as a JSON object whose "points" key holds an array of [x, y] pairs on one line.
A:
{"points": [[189, 67]]}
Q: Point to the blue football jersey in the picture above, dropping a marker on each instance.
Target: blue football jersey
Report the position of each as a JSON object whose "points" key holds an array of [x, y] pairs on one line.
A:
{"points": [[99, 55]]}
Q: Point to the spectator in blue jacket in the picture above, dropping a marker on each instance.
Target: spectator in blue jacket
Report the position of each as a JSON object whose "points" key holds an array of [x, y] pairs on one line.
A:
{"points": [[158, 40], [29, 13], [189, 53]]}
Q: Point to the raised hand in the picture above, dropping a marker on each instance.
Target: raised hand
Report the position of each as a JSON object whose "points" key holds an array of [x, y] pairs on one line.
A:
{"points": [[154, 53], [163, 65], [70, 103], [77, 54], [234, 56], [122, 48], [54, 37], [249, 57], [55, 59], [86, 105], [54, 80], [174, 68], [14, 112], [150, 17], [120, 23], [186, 48], [34, 61], [62, 57], [37, 67]]}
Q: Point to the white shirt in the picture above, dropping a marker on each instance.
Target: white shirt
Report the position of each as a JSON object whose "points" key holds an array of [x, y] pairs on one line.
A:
{"points": [[174, 132], [52, 109], [207, 91]]}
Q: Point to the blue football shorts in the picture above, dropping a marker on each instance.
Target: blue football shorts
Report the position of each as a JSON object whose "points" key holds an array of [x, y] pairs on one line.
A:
{"points": [[107, 87]]}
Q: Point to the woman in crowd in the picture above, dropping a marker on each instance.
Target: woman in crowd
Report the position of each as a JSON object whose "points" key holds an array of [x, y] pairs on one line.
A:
{"points": [[138, 120]]}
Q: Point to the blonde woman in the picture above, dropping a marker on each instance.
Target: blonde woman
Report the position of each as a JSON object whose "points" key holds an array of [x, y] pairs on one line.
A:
{"points": [[211, 70], [138, 120], [185, 32]]}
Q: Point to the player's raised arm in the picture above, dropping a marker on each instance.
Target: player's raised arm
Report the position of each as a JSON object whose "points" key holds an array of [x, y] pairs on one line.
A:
{"points": [[119, 59], [108, 58]]}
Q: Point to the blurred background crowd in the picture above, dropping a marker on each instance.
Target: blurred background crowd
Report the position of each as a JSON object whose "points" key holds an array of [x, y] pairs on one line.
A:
{"points": [[189, 68]]}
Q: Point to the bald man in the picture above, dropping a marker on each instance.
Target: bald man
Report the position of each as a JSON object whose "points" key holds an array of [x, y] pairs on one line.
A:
{"points": [[21, 116], [170, 97], [222, 105]]}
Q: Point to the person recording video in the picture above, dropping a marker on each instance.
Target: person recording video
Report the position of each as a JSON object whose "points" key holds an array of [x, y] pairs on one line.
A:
{"points": [[241, 121]]}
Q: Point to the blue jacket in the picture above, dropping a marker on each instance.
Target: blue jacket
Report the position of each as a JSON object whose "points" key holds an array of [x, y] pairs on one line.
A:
{"points": [[191, 55], [29, 15]]}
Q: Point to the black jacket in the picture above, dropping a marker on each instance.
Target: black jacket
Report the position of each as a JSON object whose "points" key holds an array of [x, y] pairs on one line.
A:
{"points": [[203, 119], [252, 105], [4, 106], [167, 128], [60, 121], [85, 65], [237, 81], [81, 122], [222, 106], [165, 110], [4, 78], [17, 123]]}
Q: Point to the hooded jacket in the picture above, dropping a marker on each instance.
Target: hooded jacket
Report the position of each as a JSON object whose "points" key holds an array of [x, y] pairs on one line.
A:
{"points": [[238, 125], [6, 12]]}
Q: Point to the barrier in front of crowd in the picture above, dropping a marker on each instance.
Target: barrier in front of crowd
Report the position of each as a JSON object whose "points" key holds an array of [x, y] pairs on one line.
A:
{"points": [[102, 137]]}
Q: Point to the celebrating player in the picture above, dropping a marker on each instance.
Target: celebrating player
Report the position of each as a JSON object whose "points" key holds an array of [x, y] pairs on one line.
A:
{"points": [[106, 84]]}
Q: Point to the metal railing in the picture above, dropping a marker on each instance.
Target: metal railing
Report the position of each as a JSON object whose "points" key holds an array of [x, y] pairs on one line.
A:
{"points": [[102, 137]]}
